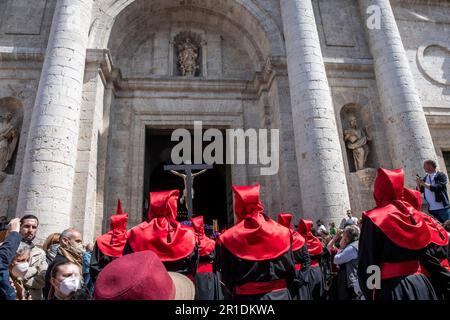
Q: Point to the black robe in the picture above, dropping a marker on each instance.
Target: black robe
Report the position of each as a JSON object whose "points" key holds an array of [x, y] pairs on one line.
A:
{"points": [[98, 262], [236, 272], [302, 257], [316, 281], [186, 266], [439, 276], [207, 285], [376, 248]]}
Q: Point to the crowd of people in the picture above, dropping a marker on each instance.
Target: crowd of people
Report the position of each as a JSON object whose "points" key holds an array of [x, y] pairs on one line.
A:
{"points": [[393, 252]]}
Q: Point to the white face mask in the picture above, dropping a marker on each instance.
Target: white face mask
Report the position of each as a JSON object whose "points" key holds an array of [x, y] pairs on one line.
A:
{"points": [[20, 269], [69, 285]]}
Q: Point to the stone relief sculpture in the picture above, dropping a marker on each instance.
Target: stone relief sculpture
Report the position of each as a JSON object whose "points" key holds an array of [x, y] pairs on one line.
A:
{"points": [[357, 141], [187, 57], [8, 141]]}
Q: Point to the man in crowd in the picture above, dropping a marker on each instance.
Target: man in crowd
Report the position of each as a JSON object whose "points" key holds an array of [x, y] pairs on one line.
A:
{"points": [[70, 249], [347, 285], [434, 187], [35, 275], [350, 220]]}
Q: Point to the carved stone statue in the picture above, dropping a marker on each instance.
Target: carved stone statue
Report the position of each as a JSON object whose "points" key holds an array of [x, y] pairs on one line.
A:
{"points": [[187, 57], [357, 139], [8, 140], [183, 176]]}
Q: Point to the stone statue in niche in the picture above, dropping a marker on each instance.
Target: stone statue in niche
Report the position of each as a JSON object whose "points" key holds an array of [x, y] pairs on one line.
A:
{"points": [[187, 57], [9, 135], [357, 141]]}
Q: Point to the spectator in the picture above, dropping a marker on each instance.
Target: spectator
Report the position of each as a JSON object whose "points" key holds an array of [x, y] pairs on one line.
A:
{"points": [[332, 229], [33, 280], [18, 269], [350, 220], [150, 281], [51, 245], [66, 282], [347, 259], [70, 249], [434, 188], [7, 252], [320, 227], [86, 264]]}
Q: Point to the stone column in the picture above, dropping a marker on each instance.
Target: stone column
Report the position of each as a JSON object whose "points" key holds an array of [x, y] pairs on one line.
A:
{"points": [[322, 178], [49, 164], [409, 139]]}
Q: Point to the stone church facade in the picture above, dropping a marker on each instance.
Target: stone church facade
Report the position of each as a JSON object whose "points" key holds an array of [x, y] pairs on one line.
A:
{"points": [[84, 80]]}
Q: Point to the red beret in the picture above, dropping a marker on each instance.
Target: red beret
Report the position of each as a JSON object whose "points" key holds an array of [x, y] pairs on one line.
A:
{"points": [[141, 276]]}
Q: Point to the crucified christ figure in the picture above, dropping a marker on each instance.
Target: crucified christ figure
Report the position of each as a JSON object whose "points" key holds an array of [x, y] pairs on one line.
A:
{"points": [[183, 197]]}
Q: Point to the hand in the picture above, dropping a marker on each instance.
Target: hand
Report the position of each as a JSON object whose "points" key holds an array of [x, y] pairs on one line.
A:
{"points": [[14, 225]]}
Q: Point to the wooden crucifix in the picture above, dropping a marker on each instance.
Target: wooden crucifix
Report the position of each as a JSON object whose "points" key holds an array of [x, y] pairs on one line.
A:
{"points": [[188, 178]]}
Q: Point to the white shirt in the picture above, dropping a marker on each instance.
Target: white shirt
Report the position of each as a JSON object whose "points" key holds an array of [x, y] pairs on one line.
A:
{"points": [[321, 228], [430, 196]]}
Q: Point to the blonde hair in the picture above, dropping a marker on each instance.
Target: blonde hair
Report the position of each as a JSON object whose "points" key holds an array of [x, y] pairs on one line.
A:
{"points": [[51, 239]]}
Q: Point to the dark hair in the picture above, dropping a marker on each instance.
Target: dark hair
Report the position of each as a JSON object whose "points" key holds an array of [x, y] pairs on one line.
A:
{"points": [[60, 264], [446, 225], [431, 162], [29, 216]]}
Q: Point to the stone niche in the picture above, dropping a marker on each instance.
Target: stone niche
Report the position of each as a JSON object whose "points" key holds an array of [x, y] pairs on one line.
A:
{"points": [[188, 54], [360, 154], [11, 115]]}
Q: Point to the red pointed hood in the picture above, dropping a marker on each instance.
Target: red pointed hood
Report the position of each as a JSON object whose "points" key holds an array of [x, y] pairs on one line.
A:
{"points": [[255, 237], [439, 235], [112, 243], [205, 244], [314, 245], [398, 219], [298, 241], [285, 219], [165, 236]]}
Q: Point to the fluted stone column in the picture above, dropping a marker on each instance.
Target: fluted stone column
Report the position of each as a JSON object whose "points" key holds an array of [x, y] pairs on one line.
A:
{"points": [[49, 164], [322, 178], [409, 138]]}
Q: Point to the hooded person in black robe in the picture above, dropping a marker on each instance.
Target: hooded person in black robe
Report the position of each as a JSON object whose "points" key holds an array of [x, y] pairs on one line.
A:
{"points": [[434, 262], [173, 242], [207, 285], [109, 246], [301, 257], [255, 257], [316, 280], [393, 237]]}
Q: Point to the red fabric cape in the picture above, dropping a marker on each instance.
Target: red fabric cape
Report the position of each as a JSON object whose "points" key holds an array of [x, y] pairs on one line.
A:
{"points": [[397, 219], [255, 237], [165, 236], [205, 244], [439, 235], [314, 245], [112, 243], [298, 241]]}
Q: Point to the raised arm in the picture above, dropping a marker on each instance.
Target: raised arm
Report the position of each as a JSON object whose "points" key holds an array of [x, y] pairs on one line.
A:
{"points": [[198, 173], [178, 174]]}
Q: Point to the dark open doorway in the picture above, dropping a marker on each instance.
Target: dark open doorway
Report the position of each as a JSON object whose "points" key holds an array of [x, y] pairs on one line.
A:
{"points": [[211, 196]]}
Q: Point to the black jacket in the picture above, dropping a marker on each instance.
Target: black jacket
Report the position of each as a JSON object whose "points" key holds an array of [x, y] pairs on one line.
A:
{"points": [[439, 188]]}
